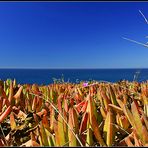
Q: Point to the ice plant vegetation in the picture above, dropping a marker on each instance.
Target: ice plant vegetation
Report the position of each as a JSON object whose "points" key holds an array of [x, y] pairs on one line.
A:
{"points": [[69, 114]]}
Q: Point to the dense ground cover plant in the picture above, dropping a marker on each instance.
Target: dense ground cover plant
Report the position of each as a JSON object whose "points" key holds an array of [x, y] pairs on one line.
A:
{"points": [[74, 114]]}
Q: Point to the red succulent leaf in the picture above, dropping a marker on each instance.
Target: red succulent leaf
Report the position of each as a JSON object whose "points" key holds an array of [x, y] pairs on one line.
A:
{"points": [[5, 114]]}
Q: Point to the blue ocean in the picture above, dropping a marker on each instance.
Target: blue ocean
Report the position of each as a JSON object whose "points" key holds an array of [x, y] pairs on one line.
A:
{"points": [[46, 76]]}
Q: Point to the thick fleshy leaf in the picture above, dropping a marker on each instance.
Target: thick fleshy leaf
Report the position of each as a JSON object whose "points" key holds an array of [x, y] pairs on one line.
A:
{"points": [[112, 95], [137, 120], [14, 83], [39, 103], [1, 103], [83, 124], [99, 97], [45, 123], [108, 129], [50, 137], [2, 92], [6, 102], [123, 122], [5, 114], [34, 104], [89, 137], [73, 123], [144, 135], [97, 132], [145, 120], [52, 117], [18, 93], [89, 133], [35, 88], [146, 110], [12, 121], [129, 142], [91, 109], [121, 104], [79, 91], [116, 108], [65, 125], [136, 141], [83, 128], [66, 105], [79, 106], [103, 112], [44, 137], [84, 107], [60, 131], [129, 116], [60, 99], [10, 92], [105, 99], [56, 132]]}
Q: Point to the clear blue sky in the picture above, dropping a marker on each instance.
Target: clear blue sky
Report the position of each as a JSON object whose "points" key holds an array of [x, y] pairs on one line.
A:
{"points": [[72, 35]]}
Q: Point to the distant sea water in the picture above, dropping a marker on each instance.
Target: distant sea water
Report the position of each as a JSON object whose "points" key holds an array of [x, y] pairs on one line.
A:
{"points": [[45, 76]]}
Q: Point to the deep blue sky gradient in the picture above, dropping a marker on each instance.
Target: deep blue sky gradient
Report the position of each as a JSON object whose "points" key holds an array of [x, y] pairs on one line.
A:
{"points": [[72, 35]]}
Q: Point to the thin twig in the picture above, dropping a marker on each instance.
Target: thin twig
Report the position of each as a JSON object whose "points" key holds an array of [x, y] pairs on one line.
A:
{"points": [[143, 17], [136, 42], [66, 143], [136, 75], [3, 135], [96, 83], [120, 128]]}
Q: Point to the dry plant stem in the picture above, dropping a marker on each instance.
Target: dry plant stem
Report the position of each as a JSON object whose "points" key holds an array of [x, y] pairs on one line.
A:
{"points": [[106, 82], [136, 42], [66, 143], [96, 83], [120, 128], [143, 17], [61, 117], [3, 135]]}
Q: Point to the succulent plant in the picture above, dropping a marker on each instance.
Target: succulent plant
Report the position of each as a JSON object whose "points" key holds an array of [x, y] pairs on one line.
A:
{"points": [[68, 114]]}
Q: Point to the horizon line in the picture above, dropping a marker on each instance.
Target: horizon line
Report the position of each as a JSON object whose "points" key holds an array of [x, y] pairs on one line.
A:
{"points": [[72, 68]]}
